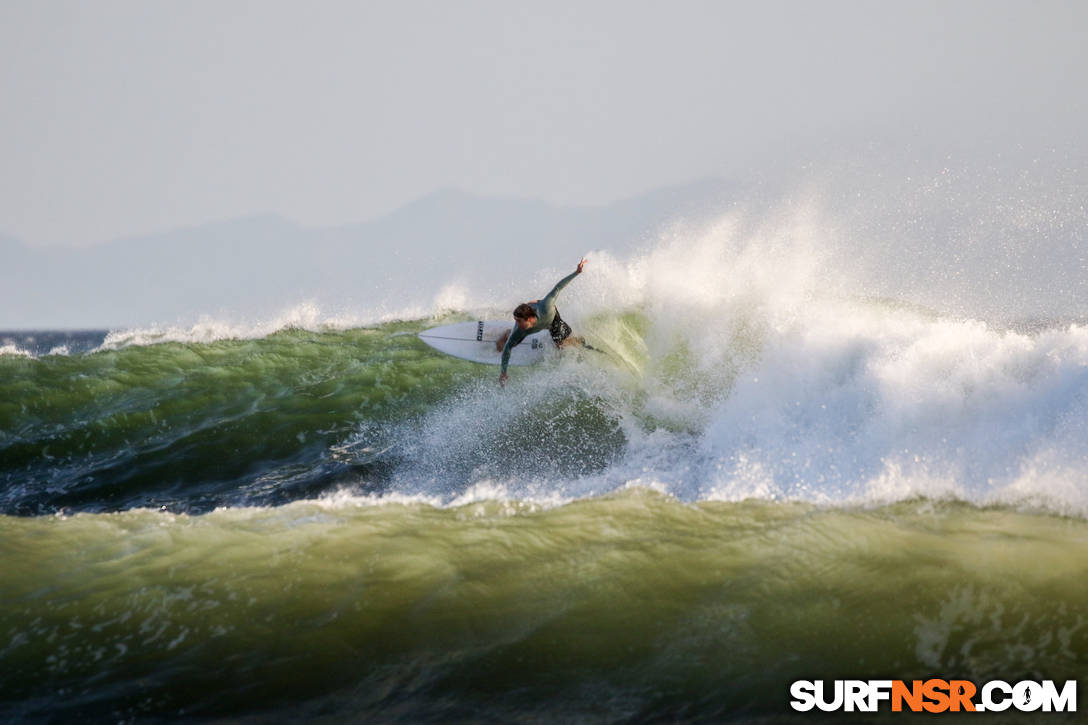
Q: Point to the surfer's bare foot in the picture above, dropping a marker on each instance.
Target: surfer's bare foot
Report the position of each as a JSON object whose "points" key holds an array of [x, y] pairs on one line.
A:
{"points": [[573, 342]]}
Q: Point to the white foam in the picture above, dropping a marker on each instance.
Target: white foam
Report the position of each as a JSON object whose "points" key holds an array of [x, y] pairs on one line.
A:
{"points": [[14, 350], [762, 371], [480, 493], [874, 403], [207, 329]]}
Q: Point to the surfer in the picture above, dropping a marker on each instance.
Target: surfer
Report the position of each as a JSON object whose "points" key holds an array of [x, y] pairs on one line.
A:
{"points": [[535, 316]]}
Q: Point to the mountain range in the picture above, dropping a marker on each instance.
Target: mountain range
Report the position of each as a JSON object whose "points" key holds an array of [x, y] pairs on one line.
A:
{"points": [[257, 265]]}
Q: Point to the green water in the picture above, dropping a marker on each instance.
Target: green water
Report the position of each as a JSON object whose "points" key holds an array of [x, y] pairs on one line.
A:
{"points": [[188, 425], [631, 606]]}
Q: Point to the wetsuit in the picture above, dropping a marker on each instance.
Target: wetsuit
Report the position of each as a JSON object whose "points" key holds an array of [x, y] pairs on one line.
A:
{"points": [[547, 318]]}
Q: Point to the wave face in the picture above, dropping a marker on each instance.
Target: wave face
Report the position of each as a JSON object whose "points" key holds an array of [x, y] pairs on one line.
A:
{"points": [[629, 607], [763, 475]]}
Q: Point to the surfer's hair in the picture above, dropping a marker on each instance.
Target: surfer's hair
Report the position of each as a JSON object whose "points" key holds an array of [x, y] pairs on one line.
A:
{"points": [[524, 311]]}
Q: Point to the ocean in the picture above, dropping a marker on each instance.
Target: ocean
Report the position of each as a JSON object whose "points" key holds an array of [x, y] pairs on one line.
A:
{"points": [[764, 478]]}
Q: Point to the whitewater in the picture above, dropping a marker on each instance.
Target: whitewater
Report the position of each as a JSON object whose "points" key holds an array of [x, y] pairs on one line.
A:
{"points": [[775, 472]]}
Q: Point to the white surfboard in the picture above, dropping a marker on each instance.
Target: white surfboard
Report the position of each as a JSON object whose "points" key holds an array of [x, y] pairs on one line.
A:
{"points": [[475, 341]]}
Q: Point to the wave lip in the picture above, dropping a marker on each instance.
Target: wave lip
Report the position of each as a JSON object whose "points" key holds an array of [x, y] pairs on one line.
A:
{"points": [[14, 350], [44, 343]]}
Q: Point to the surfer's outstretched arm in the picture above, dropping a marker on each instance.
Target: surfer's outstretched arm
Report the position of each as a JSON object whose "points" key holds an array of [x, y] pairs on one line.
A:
{"points": [[514, 337], [547, 304]]}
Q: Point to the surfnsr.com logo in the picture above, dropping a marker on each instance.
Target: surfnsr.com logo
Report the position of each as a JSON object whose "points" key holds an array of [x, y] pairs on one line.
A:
{"points": [[933, 696]]}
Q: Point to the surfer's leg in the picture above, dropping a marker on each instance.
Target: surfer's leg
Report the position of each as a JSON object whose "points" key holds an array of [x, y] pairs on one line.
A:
{"points": [[501, 342], [572, 342]]}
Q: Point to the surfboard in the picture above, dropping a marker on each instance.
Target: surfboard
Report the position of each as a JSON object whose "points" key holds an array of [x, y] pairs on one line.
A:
{"points": [[475, 341]]}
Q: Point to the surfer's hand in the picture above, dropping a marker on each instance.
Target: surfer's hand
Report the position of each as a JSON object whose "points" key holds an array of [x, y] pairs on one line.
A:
{"points": [[581, 264], [502, 379]]}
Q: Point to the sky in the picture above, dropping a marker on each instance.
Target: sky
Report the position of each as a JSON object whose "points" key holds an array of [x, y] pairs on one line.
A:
{"points": [[127, 117]]}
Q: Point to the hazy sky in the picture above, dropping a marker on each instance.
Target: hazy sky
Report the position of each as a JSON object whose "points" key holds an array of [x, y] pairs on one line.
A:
{"points": [[126, 117]]}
